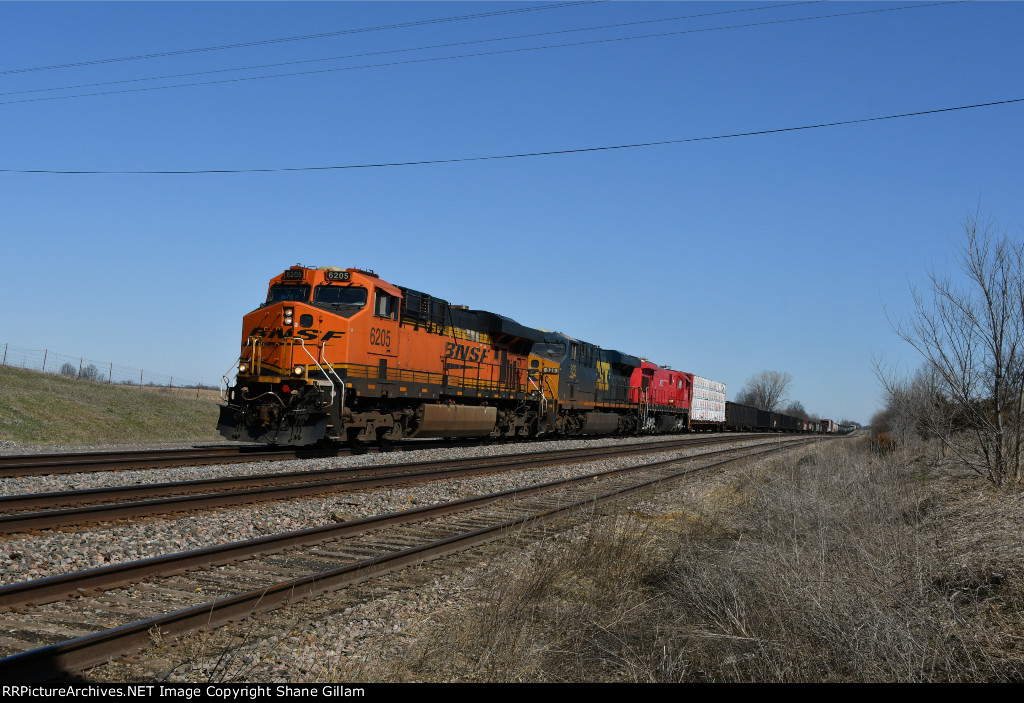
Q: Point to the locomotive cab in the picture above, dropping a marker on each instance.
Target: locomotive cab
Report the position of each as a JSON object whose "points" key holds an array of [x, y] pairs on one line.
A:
{"points": [[288, 378]]}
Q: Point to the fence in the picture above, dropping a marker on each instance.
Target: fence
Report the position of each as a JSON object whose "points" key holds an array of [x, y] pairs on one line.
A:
{"points": [[49, 361]]}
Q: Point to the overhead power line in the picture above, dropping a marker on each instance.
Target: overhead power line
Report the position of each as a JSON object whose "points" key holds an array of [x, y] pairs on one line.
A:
{"points": [[559, 152], [449, 45], [487, 53], [282, 40]]}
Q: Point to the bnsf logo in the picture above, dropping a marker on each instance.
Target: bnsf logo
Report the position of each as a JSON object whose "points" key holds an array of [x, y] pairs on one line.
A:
{"points": [[278, 333], [463, 353]]}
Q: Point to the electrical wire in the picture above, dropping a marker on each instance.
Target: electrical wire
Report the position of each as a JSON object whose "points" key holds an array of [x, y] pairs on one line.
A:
{"points": [[484, 53], [417, 48], [282, 40], [559, 152]]}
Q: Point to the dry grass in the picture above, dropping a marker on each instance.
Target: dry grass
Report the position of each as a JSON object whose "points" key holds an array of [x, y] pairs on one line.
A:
{"points": [[842, 566], [540, 620], [830, 573], [206, 394], [51, 409]]}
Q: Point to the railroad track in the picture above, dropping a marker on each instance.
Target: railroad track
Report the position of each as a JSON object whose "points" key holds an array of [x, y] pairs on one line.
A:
{"points": [[62, 509], [13, 465], [243, 578]]}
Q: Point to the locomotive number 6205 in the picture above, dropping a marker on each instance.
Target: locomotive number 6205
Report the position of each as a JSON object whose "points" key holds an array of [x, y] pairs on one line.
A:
{"points": [[380, 337]]}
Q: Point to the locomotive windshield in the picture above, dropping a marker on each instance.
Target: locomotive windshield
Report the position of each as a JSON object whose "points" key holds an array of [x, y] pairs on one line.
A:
{"points": [[553, 350], [341, 300], [286, 292]]}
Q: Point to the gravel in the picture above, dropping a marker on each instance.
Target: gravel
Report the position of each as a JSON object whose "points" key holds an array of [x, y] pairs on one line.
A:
{"points": [[65, 482]]}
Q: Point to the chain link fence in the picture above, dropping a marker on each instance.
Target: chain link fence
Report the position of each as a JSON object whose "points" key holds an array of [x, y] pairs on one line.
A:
{"points": [[79, 367]]}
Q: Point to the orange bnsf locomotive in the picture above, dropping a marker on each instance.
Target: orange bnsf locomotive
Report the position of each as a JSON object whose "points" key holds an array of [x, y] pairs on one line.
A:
{"points": [[341, 355]]}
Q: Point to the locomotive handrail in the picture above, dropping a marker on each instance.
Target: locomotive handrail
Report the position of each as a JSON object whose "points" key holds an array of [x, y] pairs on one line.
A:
{"points": [[327, 375], [543, 398], [255, 359], [225, 381], [257, 353]]}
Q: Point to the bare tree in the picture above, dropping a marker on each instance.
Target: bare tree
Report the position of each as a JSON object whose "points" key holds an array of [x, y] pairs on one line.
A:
{"points": [[796, 409], [971, 336], [917, 407], [765, 390]]}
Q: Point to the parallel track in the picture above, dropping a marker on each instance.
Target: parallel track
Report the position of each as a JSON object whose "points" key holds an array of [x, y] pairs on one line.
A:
{"points": [[13, 465], [82, 462], [94, 504]]}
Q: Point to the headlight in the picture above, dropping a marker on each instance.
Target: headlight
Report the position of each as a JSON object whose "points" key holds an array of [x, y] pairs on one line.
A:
{"points": [[243, 368], [298, 371], [289, 313]]}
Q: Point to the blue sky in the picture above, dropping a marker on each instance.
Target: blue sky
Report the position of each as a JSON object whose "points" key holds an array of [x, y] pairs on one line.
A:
{"points": [[720, 257]]}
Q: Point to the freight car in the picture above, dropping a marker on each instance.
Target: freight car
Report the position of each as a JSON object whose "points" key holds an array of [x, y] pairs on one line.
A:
{"points": [[708, 404], [745, 418], [342, 355], [741, 418]]}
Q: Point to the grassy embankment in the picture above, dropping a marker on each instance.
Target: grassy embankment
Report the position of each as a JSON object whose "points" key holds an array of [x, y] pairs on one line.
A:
{"points": [[47, 409], [841, 565]]}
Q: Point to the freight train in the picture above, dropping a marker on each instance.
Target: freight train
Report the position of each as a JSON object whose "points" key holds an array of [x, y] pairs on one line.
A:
{"points": [[340, 355]]}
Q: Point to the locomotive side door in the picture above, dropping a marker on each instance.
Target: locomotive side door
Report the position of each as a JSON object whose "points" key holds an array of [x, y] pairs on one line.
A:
{"points": [[384, 336], [573, 377]]}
